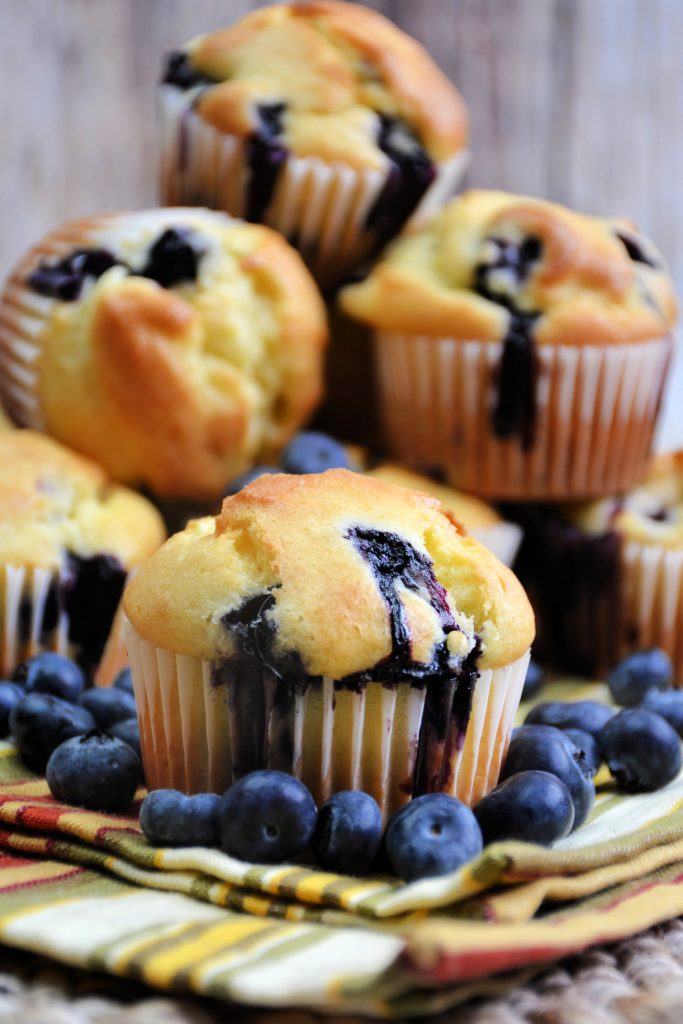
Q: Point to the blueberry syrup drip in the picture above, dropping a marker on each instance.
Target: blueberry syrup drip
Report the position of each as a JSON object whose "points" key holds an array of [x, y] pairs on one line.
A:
{"points": [[514, 410], [174, 258], [635, 250], [90, 594], [412, 172], [575, 583], [64, 279], [180, 72], [266, 155]]}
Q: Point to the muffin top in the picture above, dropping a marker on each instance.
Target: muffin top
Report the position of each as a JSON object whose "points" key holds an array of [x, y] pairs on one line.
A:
{"points": [[334, 574], [650, 514], [328, 79], [175, 346], [488, 257], [467, 509], [54, 502]]}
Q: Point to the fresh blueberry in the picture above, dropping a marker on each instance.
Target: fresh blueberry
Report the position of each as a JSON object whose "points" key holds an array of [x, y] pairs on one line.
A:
{"points": [[546, 749], [533, 680], [96, 771], [633, 677], [311, 452], [535, 807], [588, 745], [432, 835], [129, 731], [39, 722], [169, 818], [51, 673], [124, 681], [241, 481], [642, 751], [668, 704], [348, 833], [108, 706], [588, 715], [267, 817], [10, 694]]}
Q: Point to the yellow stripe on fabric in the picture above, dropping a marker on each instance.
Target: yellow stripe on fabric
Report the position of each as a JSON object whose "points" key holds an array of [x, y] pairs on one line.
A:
{"points": [[161, 969], [40, 871], [88, 825], [29, 788]]}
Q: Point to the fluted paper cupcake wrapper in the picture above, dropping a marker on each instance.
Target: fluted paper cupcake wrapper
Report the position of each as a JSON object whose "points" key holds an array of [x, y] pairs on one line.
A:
{"points": [[503, 539], [596, 410], [26, 629], [322, 208], [204, 724], [653, 602]]}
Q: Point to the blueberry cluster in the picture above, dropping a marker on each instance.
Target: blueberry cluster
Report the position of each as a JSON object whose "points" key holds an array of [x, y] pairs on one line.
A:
{"points": [[307, 452], [86, 740]]}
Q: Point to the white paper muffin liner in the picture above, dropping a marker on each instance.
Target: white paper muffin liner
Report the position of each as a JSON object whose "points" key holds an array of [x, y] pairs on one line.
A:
{"points": [[23, 633], [503, 539], [321, 207], [192, 729], [653, 602], [596, 410]]}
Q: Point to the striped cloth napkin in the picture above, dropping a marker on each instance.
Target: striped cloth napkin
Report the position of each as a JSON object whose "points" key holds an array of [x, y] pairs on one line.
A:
{"points": [[86, 888]]}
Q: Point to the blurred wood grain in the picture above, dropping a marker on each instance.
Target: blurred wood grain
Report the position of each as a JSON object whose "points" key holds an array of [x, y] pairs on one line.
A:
{"points": [[577, 100]]}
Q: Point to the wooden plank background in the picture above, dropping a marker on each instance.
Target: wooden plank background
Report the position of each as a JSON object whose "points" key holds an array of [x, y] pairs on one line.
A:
{"points": [[577, 100]]}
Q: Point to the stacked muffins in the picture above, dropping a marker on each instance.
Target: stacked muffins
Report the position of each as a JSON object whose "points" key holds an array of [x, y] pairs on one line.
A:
{"points": [[341, 626]]}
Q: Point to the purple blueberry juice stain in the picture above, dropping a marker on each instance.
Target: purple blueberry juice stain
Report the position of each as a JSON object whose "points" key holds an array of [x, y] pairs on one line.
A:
{"points": [[266, 156], [90, 593], [411, 173], [514, 409]]}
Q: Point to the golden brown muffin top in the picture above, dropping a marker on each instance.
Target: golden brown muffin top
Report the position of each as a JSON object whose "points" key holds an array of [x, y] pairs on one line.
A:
{"points": [[194, 353], [650, 514], [336, 67], [468, 510], [334, 575], [53, 501], [486, 255]]}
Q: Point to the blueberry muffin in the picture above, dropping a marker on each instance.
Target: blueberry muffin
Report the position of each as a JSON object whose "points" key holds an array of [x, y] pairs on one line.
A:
{"points": [[480, 520], [176, 347], [522, 348], [322, 120], [68, 540], [606, 577], [331, 626]]}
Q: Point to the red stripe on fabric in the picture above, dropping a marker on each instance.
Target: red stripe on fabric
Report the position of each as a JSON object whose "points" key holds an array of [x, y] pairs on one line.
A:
{"points": [[45, 817], [7, 861], [450, 968]]}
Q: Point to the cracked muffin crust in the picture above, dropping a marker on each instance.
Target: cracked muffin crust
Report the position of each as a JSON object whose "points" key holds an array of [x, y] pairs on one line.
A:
{"points": [[174, 346]]}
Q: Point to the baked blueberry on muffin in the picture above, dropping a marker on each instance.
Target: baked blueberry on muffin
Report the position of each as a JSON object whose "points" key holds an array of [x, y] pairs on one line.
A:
{"points": [[522, 348], [606, 577], [176, 347], [68, 540], [334, 627], [480, 520], [321, 119]]}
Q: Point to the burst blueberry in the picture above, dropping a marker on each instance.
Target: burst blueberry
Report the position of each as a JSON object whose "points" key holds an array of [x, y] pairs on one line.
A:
{"points": [[267, 817], [39, 722], [588, 715], [348, 833], [108, 706], [51, 673], [312, 452], [10, 694], [635, 676], [547, 749], [96, 771], [432, 835], [170, 818], [642, 751], [534, 806]]}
